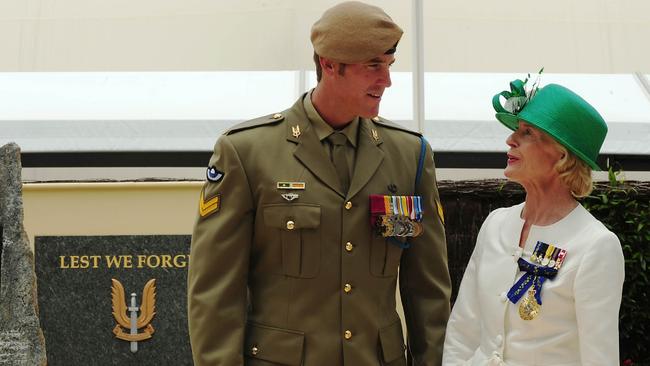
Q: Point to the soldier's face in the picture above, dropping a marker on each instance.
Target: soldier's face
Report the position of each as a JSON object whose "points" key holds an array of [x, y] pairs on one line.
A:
{"points": [[362, 86]]}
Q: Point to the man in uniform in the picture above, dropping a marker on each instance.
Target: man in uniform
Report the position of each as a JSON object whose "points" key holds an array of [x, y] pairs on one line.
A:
{"points": [[288, 265]]}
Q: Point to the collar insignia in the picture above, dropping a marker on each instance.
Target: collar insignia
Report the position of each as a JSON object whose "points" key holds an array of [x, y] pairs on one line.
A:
{"points": [[295, 131]]}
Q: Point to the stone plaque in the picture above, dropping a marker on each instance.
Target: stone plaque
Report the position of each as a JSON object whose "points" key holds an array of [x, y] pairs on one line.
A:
{"points": [[85, 287]]}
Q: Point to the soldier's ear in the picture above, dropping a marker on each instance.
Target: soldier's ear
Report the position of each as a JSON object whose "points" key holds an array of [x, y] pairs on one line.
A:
{"points": [[328, 66]]}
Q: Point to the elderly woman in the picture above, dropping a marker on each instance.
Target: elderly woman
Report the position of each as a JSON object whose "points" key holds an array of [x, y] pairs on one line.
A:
{"points": [[543, 285]]}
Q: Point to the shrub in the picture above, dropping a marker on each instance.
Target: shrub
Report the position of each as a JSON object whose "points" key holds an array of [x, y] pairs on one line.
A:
{"points": [[624, 208]]}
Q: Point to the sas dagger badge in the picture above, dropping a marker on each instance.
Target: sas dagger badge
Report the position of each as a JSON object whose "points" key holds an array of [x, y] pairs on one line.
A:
{"points": [[127, 316]]}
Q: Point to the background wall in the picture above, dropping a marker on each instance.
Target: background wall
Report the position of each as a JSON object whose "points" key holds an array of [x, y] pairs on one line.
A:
{"points": [[131, 208], [590, 36]]}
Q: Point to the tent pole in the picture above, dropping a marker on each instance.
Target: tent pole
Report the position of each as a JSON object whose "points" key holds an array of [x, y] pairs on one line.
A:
{"points": [[418, 66]]}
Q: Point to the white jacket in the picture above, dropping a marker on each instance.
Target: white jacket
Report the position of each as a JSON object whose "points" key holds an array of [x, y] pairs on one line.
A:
{"points": [[578, 322]]}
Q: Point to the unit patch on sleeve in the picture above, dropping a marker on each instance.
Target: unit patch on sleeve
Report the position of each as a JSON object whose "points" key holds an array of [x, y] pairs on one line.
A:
{"points": [[214, 175]]}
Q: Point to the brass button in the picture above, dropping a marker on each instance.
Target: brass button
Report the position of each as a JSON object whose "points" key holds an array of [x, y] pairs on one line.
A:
{"points": [[375, 118], [277, 116], [347, 334], [349, 246], [348, 205], [347, 288], [255, 350], [291, 225]]}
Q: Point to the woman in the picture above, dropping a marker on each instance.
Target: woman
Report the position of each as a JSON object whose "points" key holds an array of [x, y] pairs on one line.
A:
{"points": [[544, 283]]}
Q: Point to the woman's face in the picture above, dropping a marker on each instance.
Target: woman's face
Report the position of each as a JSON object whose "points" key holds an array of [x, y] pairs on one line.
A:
{"points": [[532, 156]]}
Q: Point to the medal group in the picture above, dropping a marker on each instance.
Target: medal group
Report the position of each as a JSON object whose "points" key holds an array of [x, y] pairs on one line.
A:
{"points": [[396, 216], [546, 261], [548, 255]]}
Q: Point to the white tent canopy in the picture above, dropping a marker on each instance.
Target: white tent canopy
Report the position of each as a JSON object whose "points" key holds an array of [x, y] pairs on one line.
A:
{"points": [[186, 111]]}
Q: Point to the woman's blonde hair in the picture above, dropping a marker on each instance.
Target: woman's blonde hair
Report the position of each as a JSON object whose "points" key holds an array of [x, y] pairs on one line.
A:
{"points": [[574, 172]]}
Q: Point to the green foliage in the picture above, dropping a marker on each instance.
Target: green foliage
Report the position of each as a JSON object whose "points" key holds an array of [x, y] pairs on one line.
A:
{"points": [[625, 209]]}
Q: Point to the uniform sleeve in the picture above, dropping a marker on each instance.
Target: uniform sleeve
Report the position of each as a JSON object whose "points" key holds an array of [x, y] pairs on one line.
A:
{"points": [[464, 330], [598, 289], [425, 286], [219, 258]]}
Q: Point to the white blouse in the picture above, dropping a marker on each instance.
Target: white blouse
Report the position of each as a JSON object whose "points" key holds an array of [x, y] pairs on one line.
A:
{"points": [[578, 321]]}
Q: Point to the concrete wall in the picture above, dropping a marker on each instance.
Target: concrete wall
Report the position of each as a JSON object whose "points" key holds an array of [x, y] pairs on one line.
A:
{"points": [[133, 208]]}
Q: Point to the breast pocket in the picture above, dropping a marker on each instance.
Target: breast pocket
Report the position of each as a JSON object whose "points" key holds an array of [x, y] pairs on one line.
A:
{"points": [[298, 226], [385, 256]]}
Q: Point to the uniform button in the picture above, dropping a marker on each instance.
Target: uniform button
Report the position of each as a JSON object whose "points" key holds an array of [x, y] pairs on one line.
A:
{"points": [[503, 296], [291, 225], [349, 246], [347, 288], [348, 205], [347, 334], [277, 116], [255, 350], [499, 340]]}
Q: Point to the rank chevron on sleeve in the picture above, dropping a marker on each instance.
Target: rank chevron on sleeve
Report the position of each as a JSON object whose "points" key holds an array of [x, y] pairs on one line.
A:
{"points": [[210, 206]]}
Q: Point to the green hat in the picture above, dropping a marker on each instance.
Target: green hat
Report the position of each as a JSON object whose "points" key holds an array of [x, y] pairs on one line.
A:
{"points": [[559, 112]]}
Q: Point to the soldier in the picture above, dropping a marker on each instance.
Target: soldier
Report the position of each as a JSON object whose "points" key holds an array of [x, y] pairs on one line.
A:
{"points": [[307, 214]]}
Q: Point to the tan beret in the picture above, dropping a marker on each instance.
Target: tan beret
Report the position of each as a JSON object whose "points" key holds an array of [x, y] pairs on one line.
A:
{"points": [[353, 32]]}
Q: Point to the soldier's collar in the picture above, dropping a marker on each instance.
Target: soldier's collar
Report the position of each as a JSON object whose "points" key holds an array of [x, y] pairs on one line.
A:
{"points": [[322, 128]]}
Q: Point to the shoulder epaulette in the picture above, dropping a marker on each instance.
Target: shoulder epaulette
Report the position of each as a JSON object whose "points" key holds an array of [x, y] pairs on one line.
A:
{"points": [[261, 121], [392, 125]]}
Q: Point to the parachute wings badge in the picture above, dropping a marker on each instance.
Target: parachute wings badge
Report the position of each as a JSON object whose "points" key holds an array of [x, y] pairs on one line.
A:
{"points": [[127, 316]]}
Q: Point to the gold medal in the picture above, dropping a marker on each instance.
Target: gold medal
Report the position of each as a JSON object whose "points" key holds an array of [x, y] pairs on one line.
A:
{"points": [[529, 308]]}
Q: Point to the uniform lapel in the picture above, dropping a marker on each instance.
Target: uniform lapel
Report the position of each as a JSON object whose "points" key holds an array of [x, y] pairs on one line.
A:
{"points": [[369, 156], [310, 150]]}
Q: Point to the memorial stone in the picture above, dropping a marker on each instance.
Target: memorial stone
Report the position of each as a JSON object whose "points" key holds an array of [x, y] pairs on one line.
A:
{"points": [[21, 339]]}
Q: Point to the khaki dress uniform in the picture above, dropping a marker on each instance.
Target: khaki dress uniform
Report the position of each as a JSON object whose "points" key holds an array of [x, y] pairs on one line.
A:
{"points": [[303, 279]]}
